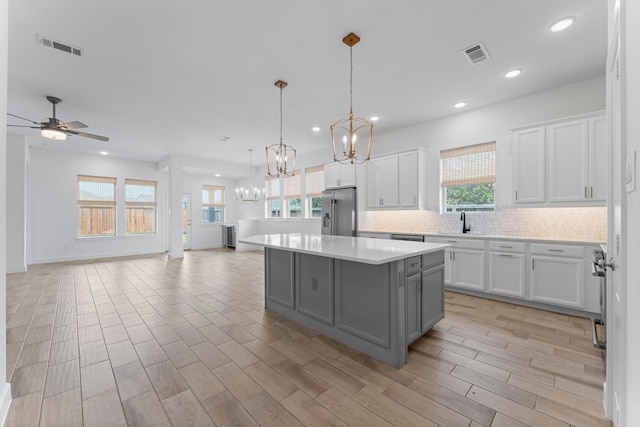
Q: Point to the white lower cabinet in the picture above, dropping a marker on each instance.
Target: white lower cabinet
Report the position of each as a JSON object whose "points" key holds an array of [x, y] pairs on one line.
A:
{"points": [[507, 269], [557, 275], [467, 269]]}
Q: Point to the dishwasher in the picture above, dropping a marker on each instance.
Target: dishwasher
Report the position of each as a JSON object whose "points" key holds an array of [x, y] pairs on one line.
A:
{"points": [[408, 237]]}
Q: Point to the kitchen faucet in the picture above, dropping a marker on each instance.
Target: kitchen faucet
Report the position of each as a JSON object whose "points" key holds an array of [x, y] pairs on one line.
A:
{"points": [[463, 218]]}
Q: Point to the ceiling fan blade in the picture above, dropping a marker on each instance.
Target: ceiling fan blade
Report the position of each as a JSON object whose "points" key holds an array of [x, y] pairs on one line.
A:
{"points": [[21, 126], [73, 125], [88, 135], [18, 117]]}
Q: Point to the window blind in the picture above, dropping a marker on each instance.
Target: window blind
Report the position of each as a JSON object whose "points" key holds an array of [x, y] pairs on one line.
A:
{"points": [[140, 192], [293, 186], [315, 180], [272, 185], [96, 190], [470, 165], [213, 196]]}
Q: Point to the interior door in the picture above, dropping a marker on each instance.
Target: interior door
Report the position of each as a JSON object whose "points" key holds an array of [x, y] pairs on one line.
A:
{"points": [[616, 292], [186, 221]]}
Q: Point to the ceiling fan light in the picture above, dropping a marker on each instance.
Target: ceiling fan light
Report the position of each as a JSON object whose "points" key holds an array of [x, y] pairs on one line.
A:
{"points": [[52, 133]]}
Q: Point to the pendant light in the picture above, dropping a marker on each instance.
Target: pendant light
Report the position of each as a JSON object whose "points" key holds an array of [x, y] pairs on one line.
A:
{"points": [[251, 194], [281, 159], [346, 133]]}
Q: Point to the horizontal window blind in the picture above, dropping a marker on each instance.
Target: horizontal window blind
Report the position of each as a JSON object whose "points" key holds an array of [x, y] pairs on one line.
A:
{"points": [[470, 165], [212, 196], [315, 180], [139, 192], [272, 185], [292, 186], [96, 190]]}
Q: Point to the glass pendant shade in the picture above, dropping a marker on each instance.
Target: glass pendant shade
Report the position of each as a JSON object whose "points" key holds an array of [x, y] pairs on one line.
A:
{"points": [[281, 158], [353, 132]]}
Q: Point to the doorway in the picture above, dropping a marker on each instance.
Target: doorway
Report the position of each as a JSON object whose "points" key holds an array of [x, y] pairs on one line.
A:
{"points": [[186, 221]]}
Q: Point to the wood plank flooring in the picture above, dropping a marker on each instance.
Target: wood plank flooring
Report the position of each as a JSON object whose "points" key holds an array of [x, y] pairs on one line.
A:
{"points": [[151, 341]]}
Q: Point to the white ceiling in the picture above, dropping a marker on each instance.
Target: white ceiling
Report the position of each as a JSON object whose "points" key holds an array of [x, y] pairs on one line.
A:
{"points": [[173, 78]]}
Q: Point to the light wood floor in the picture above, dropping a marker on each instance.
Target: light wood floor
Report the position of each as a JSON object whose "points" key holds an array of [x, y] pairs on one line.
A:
{"points": [[157, 342]]}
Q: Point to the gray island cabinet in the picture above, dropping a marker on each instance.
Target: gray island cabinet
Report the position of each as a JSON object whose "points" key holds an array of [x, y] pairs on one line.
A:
{"points": [[377, 296]]}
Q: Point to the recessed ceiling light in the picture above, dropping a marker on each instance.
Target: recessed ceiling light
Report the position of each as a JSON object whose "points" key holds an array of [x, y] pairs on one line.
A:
{"points": [[374, 118], [562, 24], [513, 73], [104, 153], [460, 104], [217, 175], [315, 129]]}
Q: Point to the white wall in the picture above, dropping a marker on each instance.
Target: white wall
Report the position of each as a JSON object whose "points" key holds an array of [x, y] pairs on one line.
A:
{"points": [[54, 214], [5, 387], [493, 123], [17, 151]]}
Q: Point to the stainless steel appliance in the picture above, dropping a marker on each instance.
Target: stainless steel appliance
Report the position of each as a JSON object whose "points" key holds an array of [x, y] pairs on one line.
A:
{"points": [[599, 269], [229, 235], [408, 237], [340, 212]]}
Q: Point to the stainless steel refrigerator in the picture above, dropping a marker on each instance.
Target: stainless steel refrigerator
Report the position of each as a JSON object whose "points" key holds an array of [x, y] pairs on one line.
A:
{"points": [[340, 212]]}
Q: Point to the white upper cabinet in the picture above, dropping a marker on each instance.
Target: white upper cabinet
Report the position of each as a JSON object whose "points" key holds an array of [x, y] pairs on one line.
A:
{"points": [[561, 163], [397, 181], [568, 161], [408, 179], [598, 158], [338, 175], [382, 182], [529, 165]]}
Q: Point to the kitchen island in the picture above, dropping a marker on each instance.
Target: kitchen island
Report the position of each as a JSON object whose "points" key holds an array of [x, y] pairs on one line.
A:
{"points": [[376, 296]]}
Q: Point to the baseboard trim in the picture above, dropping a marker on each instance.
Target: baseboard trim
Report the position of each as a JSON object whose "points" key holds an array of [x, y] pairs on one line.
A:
{"points": [[5, 401]]}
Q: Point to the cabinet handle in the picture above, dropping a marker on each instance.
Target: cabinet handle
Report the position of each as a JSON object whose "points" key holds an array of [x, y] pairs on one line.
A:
{"points": [[507, 247], [555, 250], [415, 264], [450, 258], [585, 192], [338, 182], [452, 241], [506, 255], [516, 194], [454, 256], [591, 192], [533, 264]]}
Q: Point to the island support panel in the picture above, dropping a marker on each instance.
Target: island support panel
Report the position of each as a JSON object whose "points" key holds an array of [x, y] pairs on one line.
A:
{"points": [[357, 304]]}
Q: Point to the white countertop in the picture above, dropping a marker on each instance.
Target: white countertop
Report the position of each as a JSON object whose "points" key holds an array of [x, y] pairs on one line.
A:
{"points": [[473, 235], [368, 251]]}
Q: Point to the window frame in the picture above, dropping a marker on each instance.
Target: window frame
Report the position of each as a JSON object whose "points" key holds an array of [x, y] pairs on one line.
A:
{"points": [[292, 191], [107, 204], [271, 197], [313, 191], [146, 205], [210, 190], [469, 165]]}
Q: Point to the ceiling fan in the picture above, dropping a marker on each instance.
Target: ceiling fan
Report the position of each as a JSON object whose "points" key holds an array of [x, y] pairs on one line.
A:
{"points": [[53, 128]]}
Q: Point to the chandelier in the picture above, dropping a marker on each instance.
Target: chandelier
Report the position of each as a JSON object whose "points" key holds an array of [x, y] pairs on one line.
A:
{"points": [[251, 194], [280, 155], [346, 132]]}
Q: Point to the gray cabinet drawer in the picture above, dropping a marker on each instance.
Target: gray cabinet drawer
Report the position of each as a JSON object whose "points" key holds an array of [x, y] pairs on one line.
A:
{"points": [[432, 259], [413, 265]]}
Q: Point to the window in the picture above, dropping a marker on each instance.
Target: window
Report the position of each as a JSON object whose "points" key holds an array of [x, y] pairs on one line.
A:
{"points": [[467, 178], [96, 206], [212, 204], [274, 208], [315, 185], [140, 205], [292, 188]]}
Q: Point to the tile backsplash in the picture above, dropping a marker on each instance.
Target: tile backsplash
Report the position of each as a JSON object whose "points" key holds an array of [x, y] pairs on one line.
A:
{"points": [[587, 224]]}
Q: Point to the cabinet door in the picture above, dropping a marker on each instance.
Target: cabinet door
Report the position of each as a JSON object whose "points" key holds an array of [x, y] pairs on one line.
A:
{"points": [[413, 307], [374, 183], [558, 281], [389, 181], [468, 269], [347, 175], [598, 158], [507, 274], [448, 266], [408, 179], [568, 161], [529, 165], [331, 175], [432, 307], [314, 287]]}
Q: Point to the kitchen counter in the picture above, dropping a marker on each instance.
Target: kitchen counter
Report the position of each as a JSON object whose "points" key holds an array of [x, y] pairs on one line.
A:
{"points": [[374, 295], [356, 249], [473, 235]]}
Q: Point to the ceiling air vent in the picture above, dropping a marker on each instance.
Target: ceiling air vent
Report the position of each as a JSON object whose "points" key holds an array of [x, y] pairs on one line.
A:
{"points": [[53, 44], [476, 53]]}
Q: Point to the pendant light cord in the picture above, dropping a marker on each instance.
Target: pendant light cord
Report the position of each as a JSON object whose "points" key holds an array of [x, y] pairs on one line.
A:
{"points": [[281, 115], [350, 81]]}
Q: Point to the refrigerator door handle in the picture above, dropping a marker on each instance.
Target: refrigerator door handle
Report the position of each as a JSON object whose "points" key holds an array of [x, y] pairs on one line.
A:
{"points": [[333, 216]]}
